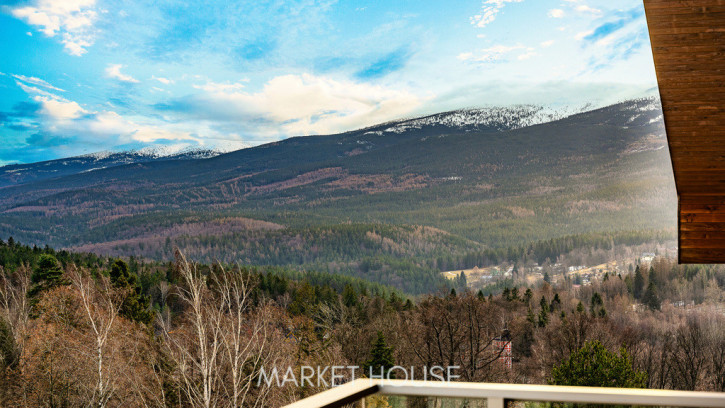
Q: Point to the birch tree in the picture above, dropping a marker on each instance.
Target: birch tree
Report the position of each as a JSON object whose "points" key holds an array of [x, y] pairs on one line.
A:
{"points": [[101, 304]]}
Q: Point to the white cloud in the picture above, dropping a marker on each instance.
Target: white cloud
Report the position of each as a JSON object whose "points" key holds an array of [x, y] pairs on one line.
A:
{"points": [[211, 86], [303, 104], [586, 9], [501, 49], [163, 80], [489, 11], [580, 35], [37, 81], [73, 19], [59, 109], [114, 71], [60, 117], [491, 54], [547, 44], [33, 90], [556, 13], [527, 55], [111, 124]]}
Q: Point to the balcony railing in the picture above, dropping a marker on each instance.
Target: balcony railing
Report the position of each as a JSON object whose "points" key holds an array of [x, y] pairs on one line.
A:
{"points": [[499, 395]]}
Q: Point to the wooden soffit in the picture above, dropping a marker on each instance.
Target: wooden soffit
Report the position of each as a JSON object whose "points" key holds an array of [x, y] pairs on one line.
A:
{"points": [[688, 45]]}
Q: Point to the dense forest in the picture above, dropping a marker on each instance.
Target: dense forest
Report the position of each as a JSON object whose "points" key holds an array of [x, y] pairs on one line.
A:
{"points": [[394, 203], [78, 329]]}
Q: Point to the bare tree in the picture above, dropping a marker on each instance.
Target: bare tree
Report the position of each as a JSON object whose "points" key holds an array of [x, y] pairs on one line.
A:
{"points": [[456, 331], [14, 303], [222, 341], [101, 304], [690, 357], [716, 349], [245, 335], [196, 346]]}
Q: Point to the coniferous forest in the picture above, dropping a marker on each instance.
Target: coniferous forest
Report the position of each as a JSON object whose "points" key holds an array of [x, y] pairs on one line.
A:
{"points": [[77, 329], [186, 282]]}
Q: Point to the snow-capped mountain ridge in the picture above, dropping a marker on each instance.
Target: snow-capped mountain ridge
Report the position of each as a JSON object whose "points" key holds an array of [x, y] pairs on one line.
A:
{"points": [[486, 121], [503, 118], [156, 152], [490, 118]]}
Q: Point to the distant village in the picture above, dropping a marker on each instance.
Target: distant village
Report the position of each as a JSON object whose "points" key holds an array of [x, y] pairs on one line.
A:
{"points": [[533, 274]]}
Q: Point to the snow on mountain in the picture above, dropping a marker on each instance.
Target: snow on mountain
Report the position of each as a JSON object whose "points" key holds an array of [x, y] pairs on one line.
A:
{"points": [[498, 118], [506, 117], [180, 151]]}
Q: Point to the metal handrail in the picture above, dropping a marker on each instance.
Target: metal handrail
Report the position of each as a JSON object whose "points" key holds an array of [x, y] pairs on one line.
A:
{"points": [[497, 394]]}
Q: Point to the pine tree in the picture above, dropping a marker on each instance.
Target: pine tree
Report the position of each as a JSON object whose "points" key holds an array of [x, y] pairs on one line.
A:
{"points": [[506, 294], [514, 294], [547, 278], [544, 312], [595, 303], [651, 298], [527, 296], [135, 305], [349, 297], [462, 282], [595, 366], [555, 302], [47, 275], [638, 288], [381, 358]]}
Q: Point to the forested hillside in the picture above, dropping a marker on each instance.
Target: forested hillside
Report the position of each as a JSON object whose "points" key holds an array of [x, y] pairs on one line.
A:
{"points": [[76, 329], [394, 203]]}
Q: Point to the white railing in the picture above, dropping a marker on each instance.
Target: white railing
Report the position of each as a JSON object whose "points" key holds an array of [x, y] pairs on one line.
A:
{"points": [[497, 394]]}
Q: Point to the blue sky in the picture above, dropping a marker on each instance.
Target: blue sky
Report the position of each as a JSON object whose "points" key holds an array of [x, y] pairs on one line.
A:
{"points": [[80, 76]]}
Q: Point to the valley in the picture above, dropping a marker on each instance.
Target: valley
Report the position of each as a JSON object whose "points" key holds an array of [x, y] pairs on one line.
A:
{"points": [[395, 203]]}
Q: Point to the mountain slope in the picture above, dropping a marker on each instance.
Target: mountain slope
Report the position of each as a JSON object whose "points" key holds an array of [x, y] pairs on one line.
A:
{"points": [[482, 183], [15, 174]]}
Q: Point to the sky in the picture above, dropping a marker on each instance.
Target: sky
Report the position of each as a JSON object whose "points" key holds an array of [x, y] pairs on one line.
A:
{"points": [[82, 76]]}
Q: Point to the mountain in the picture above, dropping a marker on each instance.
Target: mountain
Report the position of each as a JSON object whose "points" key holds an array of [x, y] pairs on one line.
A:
{"points": [[15, 174], [458, 121], [394, 203]]}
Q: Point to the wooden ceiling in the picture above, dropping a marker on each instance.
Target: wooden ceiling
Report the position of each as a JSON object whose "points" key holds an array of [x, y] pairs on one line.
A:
{"points": [[688, 44]]}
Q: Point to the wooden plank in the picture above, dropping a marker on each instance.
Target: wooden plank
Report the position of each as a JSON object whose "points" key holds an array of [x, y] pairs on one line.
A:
{"points": [[679, 11], [691, 57], [702, 243], [701, 227], [688, 45], [669, 39], [705, 208], [702, 199], [685, 30], [703, 20], [701, 190], [702, 255], [688, 108], [689, 166], [678, 82], [700, 218], [695, 235], [655, 5]]}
